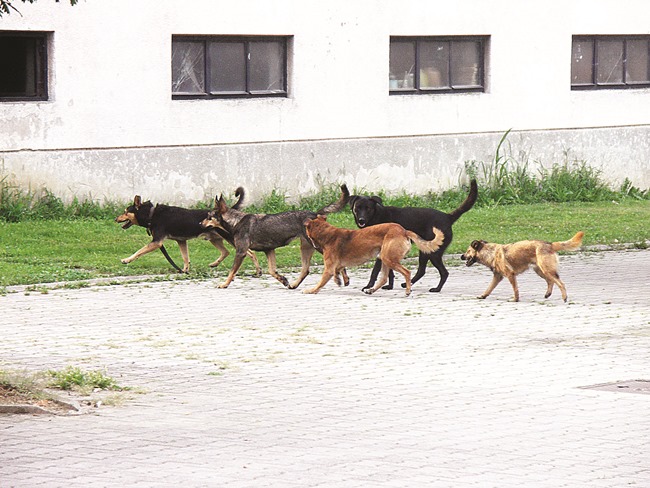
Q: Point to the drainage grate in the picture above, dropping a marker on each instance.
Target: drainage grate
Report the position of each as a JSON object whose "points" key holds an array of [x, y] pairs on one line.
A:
{"points": [[629, 386]]}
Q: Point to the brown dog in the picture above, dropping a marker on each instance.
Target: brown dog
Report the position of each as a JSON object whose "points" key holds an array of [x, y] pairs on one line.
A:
{"points": [[342, 248], [509, 260]]}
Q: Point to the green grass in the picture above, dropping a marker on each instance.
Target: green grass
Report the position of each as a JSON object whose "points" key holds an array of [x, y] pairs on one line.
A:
{"points": [[43, 240], [40, 251]]}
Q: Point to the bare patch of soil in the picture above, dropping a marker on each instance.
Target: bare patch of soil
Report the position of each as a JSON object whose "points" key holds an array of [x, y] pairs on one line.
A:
{"points": [[14, 401]]}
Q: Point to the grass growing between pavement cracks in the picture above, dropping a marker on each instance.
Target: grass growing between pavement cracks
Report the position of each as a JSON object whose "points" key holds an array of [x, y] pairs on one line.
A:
{"points": [[41, 388]]}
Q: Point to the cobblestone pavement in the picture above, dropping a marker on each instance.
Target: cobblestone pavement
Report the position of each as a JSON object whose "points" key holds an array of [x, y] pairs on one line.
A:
{"points": [[259, 386]]}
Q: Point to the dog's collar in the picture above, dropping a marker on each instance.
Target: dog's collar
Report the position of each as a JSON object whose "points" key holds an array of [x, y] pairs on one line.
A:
{"points": [[150, 216]]}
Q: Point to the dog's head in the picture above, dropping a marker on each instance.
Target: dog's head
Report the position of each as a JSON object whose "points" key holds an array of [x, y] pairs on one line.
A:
{"points": [[130, 215], [312, 229], [472, 254], [364, 209], [215, 216]]}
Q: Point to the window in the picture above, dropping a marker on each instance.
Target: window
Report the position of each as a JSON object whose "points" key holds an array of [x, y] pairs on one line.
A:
{"points": [[229, 66], [610, 62], [23, 66], [436, 64]]}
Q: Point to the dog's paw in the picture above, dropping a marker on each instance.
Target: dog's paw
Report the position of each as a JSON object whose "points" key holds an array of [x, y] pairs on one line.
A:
{"points": [[368, 291], [125, 261], [480, 297], [223, 285]]}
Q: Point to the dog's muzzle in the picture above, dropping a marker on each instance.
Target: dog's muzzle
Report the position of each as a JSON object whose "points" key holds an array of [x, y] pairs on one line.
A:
{"points": [[361, 222], [126, 225], [469, 261]]}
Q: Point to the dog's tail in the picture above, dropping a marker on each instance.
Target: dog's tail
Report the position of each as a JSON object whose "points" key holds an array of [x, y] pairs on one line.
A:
{"points": [[239, 192], [169, 259], [574, 243], [467, 204], [428, 247], [339, 204]]}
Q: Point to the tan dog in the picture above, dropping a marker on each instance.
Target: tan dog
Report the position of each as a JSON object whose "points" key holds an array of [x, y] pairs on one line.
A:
{"points": [[343, 248], [509, 260]]}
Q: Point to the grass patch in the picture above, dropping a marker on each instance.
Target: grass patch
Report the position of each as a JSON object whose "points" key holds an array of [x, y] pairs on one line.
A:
{"points": [[74, 378]]}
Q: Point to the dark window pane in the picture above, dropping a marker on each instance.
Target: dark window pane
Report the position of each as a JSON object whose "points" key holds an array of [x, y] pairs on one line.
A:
{"points": [[465, 63], [21, 67], [637, 61], [188, 67], [402, 64], [227, 67], [267, 67], [609, 68], [434, 64], [582, 60]]}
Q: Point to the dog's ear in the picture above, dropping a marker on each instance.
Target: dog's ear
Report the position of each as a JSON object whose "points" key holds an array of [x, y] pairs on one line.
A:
{"points": [[351, 201], [216, 201], [137, 201], [221, 206], [377, 199], [477, 245]]}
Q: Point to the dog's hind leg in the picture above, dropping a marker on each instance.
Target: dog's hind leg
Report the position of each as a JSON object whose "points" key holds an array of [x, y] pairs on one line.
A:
{"points": [[381, 281], [436, 260], [552, 277], [152, 246], [373, 275], [185, 253], [406, 274], [306, 252], [223, 252], [258, 270]]}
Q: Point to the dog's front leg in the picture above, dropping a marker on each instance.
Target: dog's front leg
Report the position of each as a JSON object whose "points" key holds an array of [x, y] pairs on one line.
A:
{"points": [[152, 246], [327, 275], [306, 252], [515, 288], [496, 279], [239, 258], [185, 253], [270, 258]]}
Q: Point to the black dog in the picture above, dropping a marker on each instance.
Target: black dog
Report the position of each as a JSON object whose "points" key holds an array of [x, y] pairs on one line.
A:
{"points": [[370, 211], [179, 224]]}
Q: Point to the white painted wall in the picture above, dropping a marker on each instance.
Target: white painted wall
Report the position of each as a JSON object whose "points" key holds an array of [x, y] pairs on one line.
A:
{"points": [[110, 91]]}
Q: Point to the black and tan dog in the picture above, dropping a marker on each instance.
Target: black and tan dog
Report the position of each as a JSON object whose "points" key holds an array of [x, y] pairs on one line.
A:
{"points": [[178, 224], [371, 211], [509, 260], [267, 232], [343, 248]]}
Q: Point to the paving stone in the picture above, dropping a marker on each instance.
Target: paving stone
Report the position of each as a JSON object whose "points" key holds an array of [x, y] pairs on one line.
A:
{"points": [[257, 386]]}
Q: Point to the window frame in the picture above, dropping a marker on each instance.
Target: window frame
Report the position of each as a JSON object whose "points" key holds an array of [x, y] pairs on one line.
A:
{"points": [[248, 93], [41, 66], [595, 84], [480, 86]]}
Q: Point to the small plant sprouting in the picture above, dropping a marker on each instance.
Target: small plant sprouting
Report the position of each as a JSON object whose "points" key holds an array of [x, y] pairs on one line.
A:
{"points": [[72, 378]]}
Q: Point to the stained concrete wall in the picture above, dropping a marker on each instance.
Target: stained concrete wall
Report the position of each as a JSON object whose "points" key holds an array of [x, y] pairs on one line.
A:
{"points": [[111, 129], [187, 174]]}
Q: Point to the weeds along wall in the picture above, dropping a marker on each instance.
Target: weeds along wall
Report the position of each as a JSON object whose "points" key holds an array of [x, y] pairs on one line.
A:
{"points": [[109, 126]]}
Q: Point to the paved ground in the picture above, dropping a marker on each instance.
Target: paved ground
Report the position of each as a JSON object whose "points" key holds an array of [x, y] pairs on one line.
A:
{"points": [[258, 386]]}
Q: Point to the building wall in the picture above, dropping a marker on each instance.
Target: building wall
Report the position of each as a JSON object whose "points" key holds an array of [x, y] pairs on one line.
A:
{"points": [[111, 129]]}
